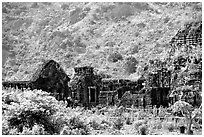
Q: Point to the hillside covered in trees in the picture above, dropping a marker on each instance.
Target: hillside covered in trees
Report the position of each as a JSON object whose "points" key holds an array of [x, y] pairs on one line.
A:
{"points": [[118, 39]]}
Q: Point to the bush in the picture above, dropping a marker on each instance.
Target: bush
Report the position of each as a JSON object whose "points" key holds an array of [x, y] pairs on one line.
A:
{"points": [[121, 11], [170, 126], [105, 123], [142, 6], [143, 129], [130, 65], [136, 35], [65, 6], [35, 112], [155, 124], [114, 57], [75, 15], [128, 121], [141, 25], [135, 48], [138, 123], [197, 7], [117, 111], [109, 44], [36, 130], [166, 20], [67, 131], [28, 108], [118, 123], [34, 5], [30, 118], [142, 115], [94, 125], [70, 122], [77, 126], [4, 10]]}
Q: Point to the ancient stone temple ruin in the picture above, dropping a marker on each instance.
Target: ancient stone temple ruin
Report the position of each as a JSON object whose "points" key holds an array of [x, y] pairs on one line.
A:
{"points": [[52, 78], [113, 91], [188, 38], [49, 77], [85, 86], [158, 86]]}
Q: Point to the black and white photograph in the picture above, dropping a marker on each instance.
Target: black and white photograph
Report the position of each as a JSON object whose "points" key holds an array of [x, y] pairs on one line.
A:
{"points": [[101, 68]]}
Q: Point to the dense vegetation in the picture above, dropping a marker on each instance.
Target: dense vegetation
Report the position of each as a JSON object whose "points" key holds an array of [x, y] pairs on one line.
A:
{"points": [[118, 39], [37, 113]]}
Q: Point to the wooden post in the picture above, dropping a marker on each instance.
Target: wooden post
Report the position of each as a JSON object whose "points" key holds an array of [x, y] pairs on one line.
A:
{"points": [[95, 94], [132, 113], [106, 99], [89, 94]]}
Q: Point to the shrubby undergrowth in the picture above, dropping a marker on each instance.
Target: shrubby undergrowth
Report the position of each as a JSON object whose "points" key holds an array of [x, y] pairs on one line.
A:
{"points": [[31, 112], [34, 112]]}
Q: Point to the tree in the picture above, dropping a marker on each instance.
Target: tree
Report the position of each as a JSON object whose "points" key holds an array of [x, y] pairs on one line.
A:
{"points": [[188, 111], [114, 57], [130, 65]]}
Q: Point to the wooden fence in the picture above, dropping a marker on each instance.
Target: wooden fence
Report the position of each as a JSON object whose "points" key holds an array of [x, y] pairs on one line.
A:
{"points": [[155, 114]]}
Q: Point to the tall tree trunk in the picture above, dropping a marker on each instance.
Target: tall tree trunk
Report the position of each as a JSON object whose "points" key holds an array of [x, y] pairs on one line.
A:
{"points": [[189, 126]]}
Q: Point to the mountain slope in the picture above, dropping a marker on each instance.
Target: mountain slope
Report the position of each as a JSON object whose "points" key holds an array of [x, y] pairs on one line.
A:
{"points": [[118, 39]]}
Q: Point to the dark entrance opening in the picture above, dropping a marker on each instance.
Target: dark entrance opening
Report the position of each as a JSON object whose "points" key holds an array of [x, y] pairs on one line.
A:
{"points": [[160, 96], [92, 94]]}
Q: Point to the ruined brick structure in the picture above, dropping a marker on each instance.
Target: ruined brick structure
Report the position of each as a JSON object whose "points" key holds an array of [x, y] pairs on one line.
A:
{"points": [[190, 36], [113, 90], [49, 77], [85, 86], [18, 84], [159, 78], [158, 87], [88, 89], [187, 39]]}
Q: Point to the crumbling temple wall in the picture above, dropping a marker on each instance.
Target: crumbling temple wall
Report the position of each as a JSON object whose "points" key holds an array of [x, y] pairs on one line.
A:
{"points": [[189, 36], [18, 84], [159, 78], [161, 81], [112, 90], [49, 77], [52, 78], [188, 39], [107, 98], [85, 86], [157, 86]]}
